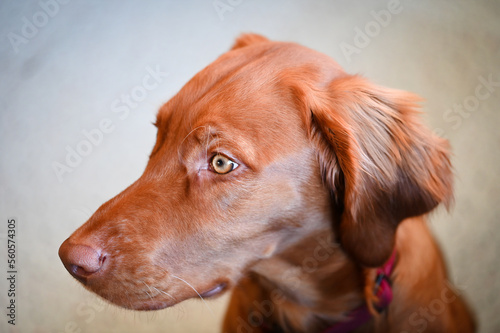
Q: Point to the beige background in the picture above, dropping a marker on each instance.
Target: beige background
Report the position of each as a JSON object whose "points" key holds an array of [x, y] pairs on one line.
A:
{"points": [[66, 75]]}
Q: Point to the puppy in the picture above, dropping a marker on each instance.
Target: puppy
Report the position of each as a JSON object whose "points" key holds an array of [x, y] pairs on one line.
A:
{"points": [[299, 187]]}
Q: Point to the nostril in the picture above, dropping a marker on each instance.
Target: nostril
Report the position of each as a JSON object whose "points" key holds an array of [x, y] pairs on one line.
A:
{"points": [[81, 261]]}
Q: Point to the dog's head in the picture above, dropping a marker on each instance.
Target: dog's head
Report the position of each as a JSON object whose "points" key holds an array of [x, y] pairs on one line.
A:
{"points": [[269, 143]]}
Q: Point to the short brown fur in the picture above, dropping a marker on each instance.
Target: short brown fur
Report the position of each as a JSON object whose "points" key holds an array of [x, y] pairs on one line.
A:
{"points": [[333, 173]]}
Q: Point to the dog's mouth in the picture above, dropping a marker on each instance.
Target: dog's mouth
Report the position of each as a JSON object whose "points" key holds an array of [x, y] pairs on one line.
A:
{"points": [[219, 288], [158, 302]]}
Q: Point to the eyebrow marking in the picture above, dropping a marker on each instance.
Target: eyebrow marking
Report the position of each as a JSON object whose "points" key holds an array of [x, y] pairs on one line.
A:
{"points": [[179, 155]]}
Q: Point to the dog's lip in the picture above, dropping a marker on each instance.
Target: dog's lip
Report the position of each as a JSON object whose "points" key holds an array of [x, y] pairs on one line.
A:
{"points": [[215, 290], [155, 304], [151, 306]]}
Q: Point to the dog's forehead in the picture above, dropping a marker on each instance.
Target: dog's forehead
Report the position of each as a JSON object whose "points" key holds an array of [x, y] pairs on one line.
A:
{"points": [[246, 75], [246, 95]]}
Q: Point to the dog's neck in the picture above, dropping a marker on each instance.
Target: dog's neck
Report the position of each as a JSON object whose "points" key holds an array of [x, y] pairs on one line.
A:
{"points": [[311, 282]]}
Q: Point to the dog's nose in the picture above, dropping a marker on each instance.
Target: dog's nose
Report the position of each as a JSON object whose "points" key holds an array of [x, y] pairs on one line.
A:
{"points": [[81, 261]]}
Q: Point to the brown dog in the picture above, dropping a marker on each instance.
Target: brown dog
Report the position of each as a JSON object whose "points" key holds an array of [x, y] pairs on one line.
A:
{"points": [[278, 175]]}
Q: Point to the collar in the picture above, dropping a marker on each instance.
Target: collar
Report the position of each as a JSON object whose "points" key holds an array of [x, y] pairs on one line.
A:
{"points": [[382, 290]]}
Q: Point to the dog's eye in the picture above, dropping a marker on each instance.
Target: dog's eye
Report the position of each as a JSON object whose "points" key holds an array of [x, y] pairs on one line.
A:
{"points": [[222, 165]]}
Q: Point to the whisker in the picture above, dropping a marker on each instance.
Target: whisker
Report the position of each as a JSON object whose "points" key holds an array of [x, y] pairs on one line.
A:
{"points": [[151, 297], [207, 143], [164, 292], [196, 291], [194, 129]]}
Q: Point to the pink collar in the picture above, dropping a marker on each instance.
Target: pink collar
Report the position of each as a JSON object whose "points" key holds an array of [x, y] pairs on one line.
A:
{"points": [[362, 314]]}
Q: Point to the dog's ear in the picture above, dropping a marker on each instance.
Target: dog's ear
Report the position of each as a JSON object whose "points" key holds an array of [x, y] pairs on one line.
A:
{"points": [[248, 39], [380, 162]]}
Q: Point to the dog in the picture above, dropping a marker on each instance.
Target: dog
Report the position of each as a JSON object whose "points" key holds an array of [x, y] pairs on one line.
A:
{"points": [[297, 186]]}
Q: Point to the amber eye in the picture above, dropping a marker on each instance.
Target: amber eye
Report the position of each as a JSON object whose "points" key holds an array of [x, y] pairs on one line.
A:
{"points": [[222, 165]]}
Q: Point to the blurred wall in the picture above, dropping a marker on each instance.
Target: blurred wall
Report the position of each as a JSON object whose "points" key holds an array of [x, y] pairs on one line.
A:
{"points": [[65, 64]]}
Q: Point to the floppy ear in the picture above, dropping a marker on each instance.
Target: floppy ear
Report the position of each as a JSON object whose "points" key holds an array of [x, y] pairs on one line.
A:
{"points": [[380, 162], [248, 39]]}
